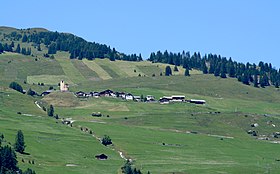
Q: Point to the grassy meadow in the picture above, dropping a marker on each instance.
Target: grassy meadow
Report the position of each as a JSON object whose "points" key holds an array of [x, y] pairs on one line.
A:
{"points": [[173, 138]]}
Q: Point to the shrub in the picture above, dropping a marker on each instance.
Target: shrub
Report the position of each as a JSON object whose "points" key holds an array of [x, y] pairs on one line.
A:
{"points": [[106, 140], [16, 86]]}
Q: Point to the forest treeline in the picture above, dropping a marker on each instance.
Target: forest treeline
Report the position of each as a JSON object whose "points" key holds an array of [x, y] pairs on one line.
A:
{"points": [[260, 75], [55, 41]]}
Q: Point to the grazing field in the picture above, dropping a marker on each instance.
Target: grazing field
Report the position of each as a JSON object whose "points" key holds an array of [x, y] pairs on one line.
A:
{"points": [[52, 146], [172, 138], [48, 79], [96, 68]]}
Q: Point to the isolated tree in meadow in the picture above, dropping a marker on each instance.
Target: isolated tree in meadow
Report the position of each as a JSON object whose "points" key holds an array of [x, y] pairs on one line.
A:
{"points": [[19, 145], [106, 140], [187, 72], [50, 111], [168, 71]]}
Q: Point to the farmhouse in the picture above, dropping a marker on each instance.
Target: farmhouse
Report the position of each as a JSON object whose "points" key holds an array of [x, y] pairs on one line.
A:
{"points": [[150, 98], [63, 86], [178, 98], [106, 93], [46, 93], [201, 102], [129, 96], [80, 94], [165, 100], [137, 98]]}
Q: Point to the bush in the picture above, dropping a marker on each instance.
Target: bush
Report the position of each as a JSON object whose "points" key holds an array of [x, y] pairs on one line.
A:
{"points": [[16, 86], [31, 92], [106, 140]]}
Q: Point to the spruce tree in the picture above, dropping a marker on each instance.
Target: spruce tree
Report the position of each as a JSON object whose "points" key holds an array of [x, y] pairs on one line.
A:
{"points": [[187, 72], [18, 49], [50, 111], [168, 71], [19, 145]]}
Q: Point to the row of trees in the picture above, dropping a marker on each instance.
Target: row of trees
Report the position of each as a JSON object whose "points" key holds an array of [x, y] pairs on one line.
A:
{"points": [[8, 158], [10, 48], [262, 74]]}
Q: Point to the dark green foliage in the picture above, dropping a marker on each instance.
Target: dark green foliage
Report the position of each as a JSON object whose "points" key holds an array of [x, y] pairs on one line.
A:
{"points": [[168, 71], [52, 49], [8, 161], [1, 48], [16, 86], [127, 169], [223, 75], [29, 171], [106, 140], [24, 38], [23, 51], [19, 144], [204, 68], [31, 92], [220, 66], [18, 49], [187, 72], [50, 111], [245, 79], [277, 85]]}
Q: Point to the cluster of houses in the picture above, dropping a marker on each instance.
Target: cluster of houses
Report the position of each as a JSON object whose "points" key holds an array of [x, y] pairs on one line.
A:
{"points": [[129, 96], [110, 93]]}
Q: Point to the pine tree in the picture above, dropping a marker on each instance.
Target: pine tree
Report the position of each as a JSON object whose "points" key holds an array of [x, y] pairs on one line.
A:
{"points": [[24, 38], [19, 145], [50, 111], [187, 72], [18, 49], [8, 160], [168, 71], [1, 48], [23, 51]]}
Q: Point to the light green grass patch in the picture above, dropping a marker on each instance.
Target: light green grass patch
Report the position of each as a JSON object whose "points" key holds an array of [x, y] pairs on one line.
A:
{"points": [[69, 69], [129, 68], [112, 66], [96, 68], [48, 79]]}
